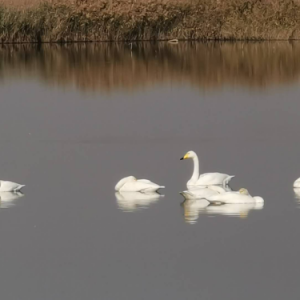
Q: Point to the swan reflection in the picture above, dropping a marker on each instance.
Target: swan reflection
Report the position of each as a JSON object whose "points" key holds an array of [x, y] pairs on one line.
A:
{"points": [[193, 208], [7, 199], [134, 201], [297, 194]]}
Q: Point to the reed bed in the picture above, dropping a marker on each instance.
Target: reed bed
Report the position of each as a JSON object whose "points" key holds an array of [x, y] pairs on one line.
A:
{"points": [[122, 20]]}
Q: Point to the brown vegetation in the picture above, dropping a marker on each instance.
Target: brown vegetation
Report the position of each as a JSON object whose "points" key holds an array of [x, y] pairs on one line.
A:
{"points": [[111, 20], [107, 67]]}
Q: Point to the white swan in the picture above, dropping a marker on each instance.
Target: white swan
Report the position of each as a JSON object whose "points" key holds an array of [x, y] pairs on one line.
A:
{"points": [[8, 186], [131, 184], [133, 201], [242, 196], [206, 178], [297, 183], [204, 192]]}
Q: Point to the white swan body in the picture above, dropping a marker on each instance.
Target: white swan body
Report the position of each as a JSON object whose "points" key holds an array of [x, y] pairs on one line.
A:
{"points": [[240, 197], [297, 183], [206, 178], [204, 192], [131, 184], [8, 186], [133, 201]]}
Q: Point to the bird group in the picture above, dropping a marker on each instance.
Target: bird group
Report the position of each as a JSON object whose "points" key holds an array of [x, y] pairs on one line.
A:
{"points": [[214, 187]]}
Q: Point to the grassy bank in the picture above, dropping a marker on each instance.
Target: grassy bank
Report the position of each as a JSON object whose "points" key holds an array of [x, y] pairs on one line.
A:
{"points": [[150, 20]]}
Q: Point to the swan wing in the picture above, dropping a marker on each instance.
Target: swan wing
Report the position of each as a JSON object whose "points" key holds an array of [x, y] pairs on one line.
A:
{"points": [[123, 181], [231, 197], [9, 186], [140, 186], [200, 193], [214, 179]]}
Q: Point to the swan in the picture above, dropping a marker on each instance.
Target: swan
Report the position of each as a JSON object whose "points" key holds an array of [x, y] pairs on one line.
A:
{"points": [[8, 186], [206, 178], [204, 192], [296, 183], [131, 184], [242, 196], [133, 201]]}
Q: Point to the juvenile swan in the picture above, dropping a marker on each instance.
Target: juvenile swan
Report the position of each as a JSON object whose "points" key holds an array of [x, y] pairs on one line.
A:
{"points": [[131, 184], [242, 197], [8, 186], [206, 178]]}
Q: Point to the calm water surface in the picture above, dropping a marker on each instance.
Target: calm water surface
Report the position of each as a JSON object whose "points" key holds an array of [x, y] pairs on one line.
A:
{"points": [[76, 119]]}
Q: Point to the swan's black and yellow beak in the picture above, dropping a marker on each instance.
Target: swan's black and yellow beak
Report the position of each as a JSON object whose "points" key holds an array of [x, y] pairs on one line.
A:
{"points": [[184, 157]]}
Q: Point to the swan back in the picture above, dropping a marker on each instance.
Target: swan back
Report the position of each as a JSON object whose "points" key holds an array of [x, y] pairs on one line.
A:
{"points": [[123, 181]]}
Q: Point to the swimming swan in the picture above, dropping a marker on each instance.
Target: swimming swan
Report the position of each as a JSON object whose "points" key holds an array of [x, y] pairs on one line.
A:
{"points": [[204, 192], [242, 196], [8, 186], [131, 184], [206, 178]]}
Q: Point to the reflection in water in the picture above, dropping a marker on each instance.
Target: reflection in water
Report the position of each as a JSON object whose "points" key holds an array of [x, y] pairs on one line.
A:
{"points": [[193, 208], [7, 199], [134, 201], [297, 194], [107, 66]]}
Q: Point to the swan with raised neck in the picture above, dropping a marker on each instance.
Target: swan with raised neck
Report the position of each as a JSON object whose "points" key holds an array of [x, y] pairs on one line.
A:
{"points": [[205, 179]]}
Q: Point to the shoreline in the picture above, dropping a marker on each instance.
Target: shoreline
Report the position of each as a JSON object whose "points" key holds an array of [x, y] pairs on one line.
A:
{"points": [[205, 20]]}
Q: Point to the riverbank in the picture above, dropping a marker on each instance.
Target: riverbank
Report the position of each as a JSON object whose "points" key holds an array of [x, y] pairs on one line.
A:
{"points": [[150, 20]]}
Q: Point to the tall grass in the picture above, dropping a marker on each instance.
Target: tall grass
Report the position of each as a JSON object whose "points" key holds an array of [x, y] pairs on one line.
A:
{"points": [[151, 20]]}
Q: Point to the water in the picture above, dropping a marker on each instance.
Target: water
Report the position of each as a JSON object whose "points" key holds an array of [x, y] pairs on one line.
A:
{"points": [[76, 119]]}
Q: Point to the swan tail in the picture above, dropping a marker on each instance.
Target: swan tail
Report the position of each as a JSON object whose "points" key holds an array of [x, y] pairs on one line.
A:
{"points": [[18, 188], [227, 180]]}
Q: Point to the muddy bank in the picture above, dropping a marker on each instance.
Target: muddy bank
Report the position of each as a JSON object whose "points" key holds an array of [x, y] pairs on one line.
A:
{"points": [[151, 20]]}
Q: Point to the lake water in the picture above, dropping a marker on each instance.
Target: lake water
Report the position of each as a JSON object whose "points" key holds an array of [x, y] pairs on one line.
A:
{"points": [[75, 119]]}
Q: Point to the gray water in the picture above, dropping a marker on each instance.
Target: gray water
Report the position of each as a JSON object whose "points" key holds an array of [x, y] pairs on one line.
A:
{"points": [[76, 119]]}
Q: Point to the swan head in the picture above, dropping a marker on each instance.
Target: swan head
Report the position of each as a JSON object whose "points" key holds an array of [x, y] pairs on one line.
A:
{"points": [[189, 154], [243, 191]]}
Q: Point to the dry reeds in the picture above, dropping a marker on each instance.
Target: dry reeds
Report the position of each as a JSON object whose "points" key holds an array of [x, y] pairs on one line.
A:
{"points": [[117, 20]]}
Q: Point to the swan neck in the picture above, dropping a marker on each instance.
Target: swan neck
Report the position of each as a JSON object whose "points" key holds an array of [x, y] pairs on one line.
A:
{"points": [[195, 175]]}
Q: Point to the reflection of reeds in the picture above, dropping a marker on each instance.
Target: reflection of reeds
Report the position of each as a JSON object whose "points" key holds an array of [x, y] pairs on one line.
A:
{"points": [[111, 20], [106, 66]]}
